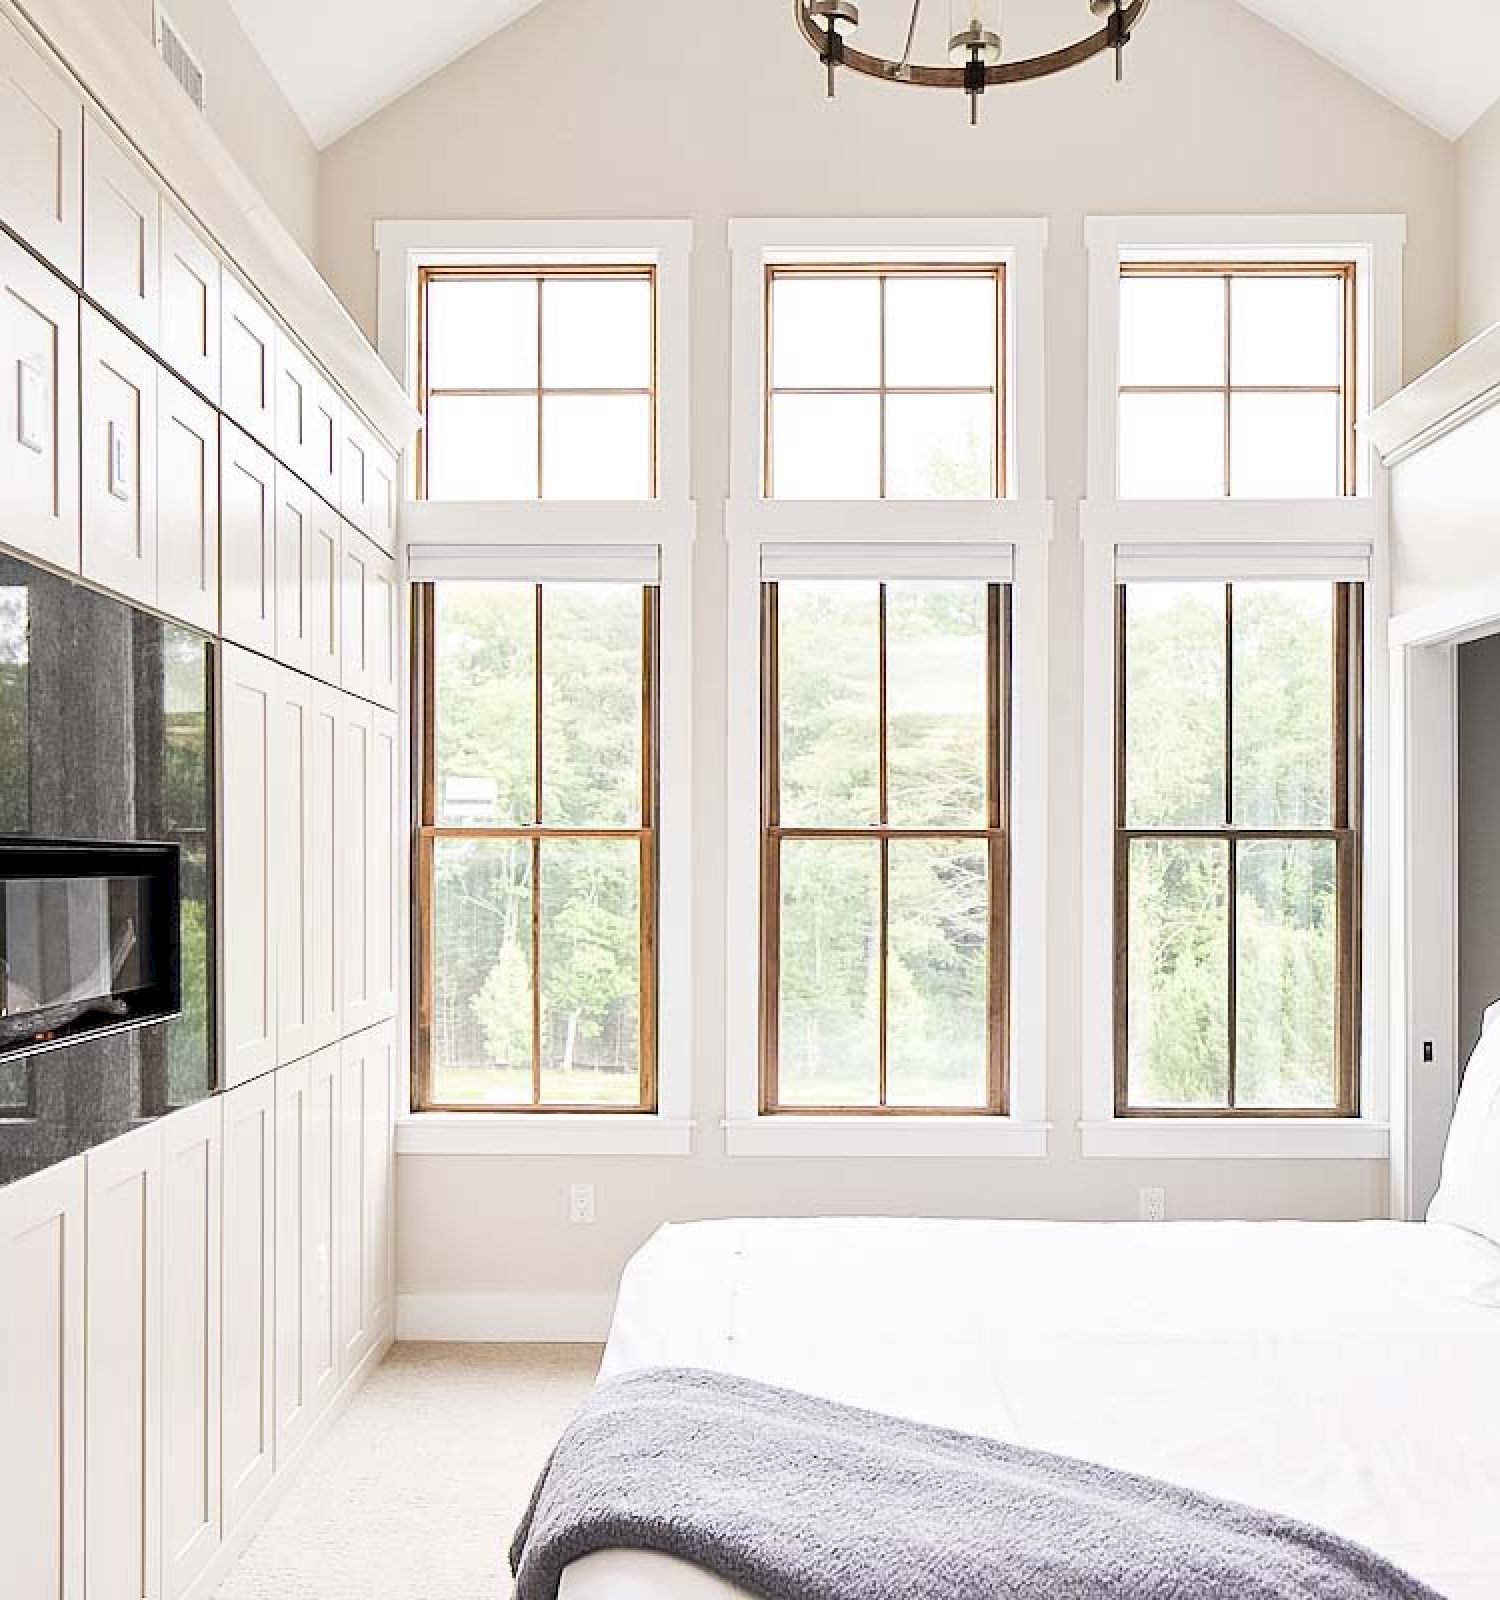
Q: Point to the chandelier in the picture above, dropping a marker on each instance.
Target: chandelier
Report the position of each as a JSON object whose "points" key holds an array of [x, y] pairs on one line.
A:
{"points": [[974, 46]]}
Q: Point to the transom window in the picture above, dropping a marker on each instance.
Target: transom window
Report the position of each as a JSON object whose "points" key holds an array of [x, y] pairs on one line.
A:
{"points": [[537, 868], [538, 383], [884, 846], [1237, 381], [885, 382], [1238, 800]]}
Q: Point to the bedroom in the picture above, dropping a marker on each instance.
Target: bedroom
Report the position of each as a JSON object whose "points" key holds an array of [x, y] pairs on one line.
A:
{"points": [[956, 649]]}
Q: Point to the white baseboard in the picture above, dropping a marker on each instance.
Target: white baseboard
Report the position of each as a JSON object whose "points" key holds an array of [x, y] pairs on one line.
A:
{"points": [[505, 1318]]}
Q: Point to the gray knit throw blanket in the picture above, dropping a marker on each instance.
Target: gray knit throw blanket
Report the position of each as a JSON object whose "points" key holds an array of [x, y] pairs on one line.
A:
{"points": [[795, 1498]]}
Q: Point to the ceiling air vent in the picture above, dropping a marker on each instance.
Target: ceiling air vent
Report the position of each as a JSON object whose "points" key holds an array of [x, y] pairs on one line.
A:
{"points": [[181, 62]]}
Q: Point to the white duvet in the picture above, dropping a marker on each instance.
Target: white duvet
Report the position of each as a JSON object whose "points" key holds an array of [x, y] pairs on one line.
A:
{"points": [[1344, 1373]]}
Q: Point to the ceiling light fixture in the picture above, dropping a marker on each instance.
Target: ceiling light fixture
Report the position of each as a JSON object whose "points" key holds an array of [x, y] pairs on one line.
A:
{"points": [[974, 46]]}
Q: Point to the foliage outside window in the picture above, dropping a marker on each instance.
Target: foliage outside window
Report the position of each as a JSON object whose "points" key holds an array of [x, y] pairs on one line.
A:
{"points": [[538, 847], [1238, 848], [885, 383], [884, 846]]}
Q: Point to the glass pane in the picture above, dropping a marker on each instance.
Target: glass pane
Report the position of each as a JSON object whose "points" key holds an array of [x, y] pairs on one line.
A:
{"points": [[481, 333], [937, 662], [1288, 331], [940, 446], [1286, 446], [1178, 973], [484, 700], [1171, 447], [591, 971], [825, 333], [829, 1029], [940, 332], [1174, 705], [481, 447], [596, 447], [592, 679], [937, 1002], [829, 671], [596, 333], [1288, 973], [481, 999], [825, 446], [1171, 331], [1283, 705]]}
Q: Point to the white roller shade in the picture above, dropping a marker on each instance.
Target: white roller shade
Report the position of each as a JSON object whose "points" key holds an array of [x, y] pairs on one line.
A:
{"points": [[991, 563], [534, 563], [1340, 563]]}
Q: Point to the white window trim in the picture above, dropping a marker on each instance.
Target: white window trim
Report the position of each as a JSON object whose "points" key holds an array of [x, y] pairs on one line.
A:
{"points": [[562, 539]]}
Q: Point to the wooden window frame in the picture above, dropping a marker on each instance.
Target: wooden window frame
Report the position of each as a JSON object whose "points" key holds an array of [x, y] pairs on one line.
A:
{"points": [[1347, 389], [429, 832], [996, 834], [1346, 834], [882, 273], [541, 275]]}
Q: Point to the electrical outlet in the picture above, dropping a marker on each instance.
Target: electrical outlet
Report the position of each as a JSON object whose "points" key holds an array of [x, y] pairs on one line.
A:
{"points": [[1153, 1205], [581, 1212]]}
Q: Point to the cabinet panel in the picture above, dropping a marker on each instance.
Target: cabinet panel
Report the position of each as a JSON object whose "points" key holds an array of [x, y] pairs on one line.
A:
{"points": [[325, 943], [380, 864], [248, 717], [119, 461], [327, 561], [38, 407], [191, 1190], [41, 1383], [41, 133], [322, 459], [320, 1321], [291, 791], [247, 541], [247, 356], [122, 1367], [356, 483], [356, 653], [365, 1191], [382, 633], [294, 382], [247, 1439], [292, 1133], [187, 505], [190, 303], [293, 571], [384, 498], [356, 916], [121, 234]]}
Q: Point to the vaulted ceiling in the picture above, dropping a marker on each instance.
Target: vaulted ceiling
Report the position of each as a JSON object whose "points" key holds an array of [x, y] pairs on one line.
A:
{"points": [[1440, 60]]}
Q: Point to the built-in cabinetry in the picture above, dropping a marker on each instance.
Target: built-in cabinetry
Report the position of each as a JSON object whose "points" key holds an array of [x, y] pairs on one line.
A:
{"points": [[41, 133]]}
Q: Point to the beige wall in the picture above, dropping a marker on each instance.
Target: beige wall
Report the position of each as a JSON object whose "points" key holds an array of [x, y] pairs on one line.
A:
{"points": [[248, 111], [591, 108], [1479, 226]]}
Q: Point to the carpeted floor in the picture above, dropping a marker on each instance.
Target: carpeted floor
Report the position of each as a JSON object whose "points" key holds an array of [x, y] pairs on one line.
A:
{"points": [[415, 1492]]}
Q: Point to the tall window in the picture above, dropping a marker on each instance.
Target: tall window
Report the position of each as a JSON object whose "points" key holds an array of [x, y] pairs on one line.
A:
{"points": [[537, 868], [1237, 380], [885, 382], [538, 384], [1238, 815], [884, 846]]}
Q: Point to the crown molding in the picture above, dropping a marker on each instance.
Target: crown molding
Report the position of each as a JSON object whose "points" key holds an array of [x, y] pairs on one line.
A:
{"points": [[1457, 389]]}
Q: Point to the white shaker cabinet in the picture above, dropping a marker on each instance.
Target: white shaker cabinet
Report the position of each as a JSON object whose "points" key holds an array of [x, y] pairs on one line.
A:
{"points": [[365, 1098], [294, 620], [382, 628], [326, 940], [41, 133], [247, 360], [291, 860], [381, 859], [121, 234], [356, 651], [326, 562], [356, 782], [187, 505], [247, 540], [191, 314]]}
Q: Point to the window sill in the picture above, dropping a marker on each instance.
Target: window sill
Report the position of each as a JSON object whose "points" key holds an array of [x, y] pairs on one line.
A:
{"points": [[480, 1133], [1236, 1138], [950, 1137]]}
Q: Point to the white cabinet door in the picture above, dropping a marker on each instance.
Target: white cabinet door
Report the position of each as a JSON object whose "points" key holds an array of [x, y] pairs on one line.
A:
{"points": [[325, 944], [122, 1367], [322, 460], [187, 505], [293, 571], [247, 358], [41, 133], [327, 565], [382, 631], [384, 497], [294, 382], [191, 1190], [249, 688], [356, 450], [247, 1436], [381, 861], [365, 1191], [41, 1383], [292, 1133], [320, 1319], [190, 308], [356, 917], [38, 403], [356, 652], [247, 541], [121, 234], [119, 461], [291, 792]]}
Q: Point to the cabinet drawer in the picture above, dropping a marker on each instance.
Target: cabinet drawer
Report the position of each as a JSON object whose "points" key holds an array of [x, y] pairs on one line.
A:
{"points": [[187, 505], [119, 461], [190, 309], [121, 234], [247, 355], [41, 133]]}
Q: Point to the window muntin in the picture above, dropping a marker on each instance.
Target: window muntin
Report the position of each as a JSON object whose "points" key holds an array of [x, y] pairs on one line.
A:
{"points": [[537, 869], [538, 383], [885, 382], [885, 847], [1237, 381], [1238, 846]]}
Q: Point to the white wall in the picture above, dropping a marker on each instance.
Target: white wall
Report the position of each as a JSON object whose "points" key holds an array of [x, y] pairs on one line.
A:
{"points": [[1479, 226], [711, 109]]}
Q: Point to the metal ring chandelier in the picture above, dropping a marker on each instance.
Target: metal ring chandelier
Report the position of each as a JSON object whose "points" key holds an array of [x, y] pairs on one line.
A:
{"points": [[974, 44]]}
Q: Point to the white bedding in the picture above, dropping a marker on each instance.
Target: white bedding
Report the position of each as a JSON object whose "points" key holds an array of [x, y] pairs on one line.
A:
{"points": [[1344, 1373]]}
